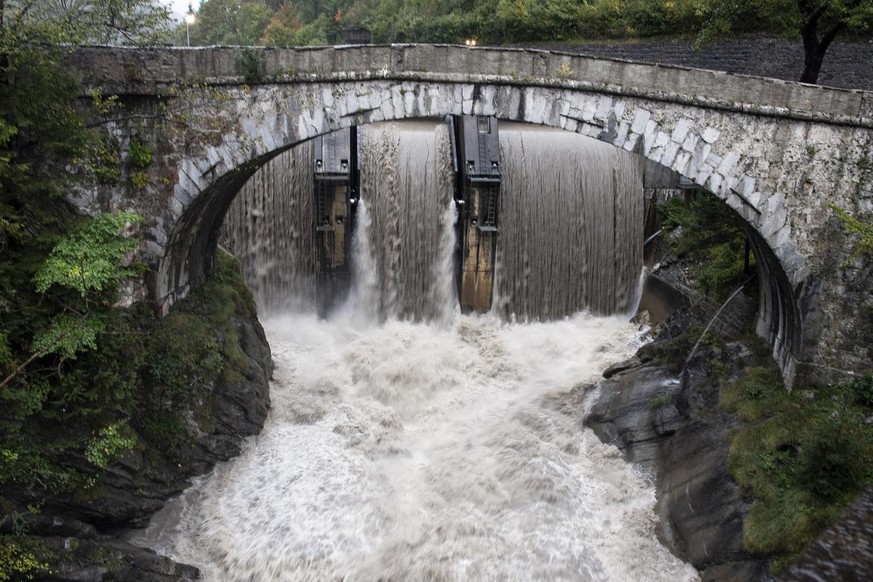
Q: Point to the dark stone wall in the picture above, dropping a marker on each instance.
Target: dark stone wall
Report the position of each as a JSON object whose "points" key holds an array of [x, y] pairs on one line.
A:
{"points": [[847, 64]]}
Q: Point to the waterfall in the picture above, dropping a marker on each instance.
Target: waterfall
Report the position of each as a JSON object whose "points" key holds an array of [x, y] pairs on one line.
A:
{"points": [[269, 229], [407, 441], [570, 225], [406, 182], [363, 302]]}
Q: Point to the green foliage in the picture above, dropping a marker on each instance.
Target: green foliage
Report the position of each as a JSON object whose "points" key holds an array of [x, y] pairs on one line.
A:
{"points": [[110, 441], [147, 384], [184, 356], [89, 259], [140, 154], [67, 335], [139, 180], [711, 234], [102, 160], [758, 391], [165, 430], [281, 30], [802, 455], [862, 390], [230, 22], [19, 560], [75, 372]]}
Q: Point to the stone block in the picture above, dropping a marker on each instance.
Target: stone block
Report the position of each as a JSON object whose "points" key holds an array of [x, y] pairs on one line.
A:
{"points": [[710, 134], [681, 130], [670, 155], [641, 120], [604, 108]]}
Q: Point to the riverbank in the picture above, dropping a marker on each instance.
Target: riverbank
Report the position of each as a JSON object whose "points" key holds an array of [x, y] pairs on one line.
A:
{"points": [[202, 387], [748, 474]]}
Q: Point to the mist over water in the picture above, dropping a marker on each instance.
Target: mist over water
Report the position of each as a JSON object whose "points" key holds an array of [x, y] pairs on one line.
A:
{"points": [[409, 442]]}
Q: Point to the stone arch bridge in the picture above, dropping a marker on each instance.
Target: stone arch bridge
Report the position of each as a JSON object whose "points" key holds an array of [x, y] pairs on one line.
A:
{"points": [[778, 153]]}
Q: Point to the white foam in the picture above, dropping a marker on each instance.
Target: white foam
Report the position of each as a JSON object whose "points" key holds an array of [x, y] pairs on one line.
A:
{"points": [[410, 451]]}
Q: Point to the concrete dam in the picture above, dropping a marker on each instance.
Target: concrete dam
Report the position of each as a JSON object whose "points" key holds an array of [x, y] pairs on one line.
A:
{"points": [[427, 217]]}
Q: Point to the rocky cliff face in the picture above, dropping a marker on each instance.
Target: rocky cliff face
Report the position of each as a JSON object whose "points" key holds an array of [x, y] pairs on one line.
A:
{"points": [[79, 538], [666, 418]]}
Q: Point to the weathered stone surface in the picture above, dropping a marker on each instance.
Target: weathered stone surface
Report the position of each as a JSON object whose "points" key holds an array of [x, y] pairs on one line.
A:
{"points": [[673, 428], [778, 153], [94, 561], [48, 525]]}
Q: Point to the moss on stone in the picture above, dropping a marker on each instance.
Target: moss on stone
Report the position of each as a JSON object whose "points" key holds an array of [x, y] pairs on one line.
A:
{"points": [[802, 455]]}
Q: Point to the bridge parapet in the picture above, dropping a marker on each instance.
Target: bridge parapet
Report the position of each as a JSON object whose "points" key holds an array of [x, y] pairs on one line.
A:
{"points": [[154, 71]]}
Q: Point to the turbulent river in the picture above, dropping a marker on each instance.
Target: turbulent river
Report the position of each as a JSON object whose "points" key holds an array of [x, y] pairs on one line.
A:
{"points": [[409, 442], [411, 451]]}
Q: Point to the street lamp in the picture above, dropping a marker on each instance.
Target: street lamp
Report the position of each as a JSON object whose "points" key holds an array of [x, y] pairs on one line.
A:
{"points": [[189, 20]]}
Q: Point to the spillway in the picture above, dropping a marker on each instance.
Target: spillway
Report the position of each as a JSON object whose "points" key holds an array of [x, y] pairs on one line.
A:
{"points": [[571, 225]]}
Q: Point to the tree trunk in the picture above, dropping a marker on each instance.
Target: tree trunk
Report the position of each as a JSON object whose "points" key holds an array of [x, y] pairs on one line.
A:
{"points": [[813, 57], [814, 48]]}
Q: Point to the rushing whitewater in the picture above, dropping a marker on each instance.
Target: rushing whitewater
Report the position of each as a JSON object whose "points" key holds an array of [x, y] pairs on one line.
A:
{"points": [[411, 451], [409, 442]]}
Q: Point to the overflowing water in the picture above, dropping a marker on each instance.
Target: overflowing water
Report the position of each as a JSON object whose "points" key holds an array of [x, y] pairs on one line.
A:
{"points": [[406, 183], [571, 229], [269, 229], [409, 442], [570, 235]]}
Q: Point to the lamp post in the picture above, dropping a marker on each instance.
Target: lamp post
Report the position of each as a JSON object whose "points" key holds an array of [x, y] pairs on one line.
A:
{"points": [[189, 20]]}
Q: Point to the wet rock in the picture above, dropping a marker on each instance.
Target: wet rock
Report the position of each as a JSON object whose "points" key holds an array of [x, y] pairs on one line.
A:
{"points": [[621, 367], [101, 561], [674, 429], [48, 525]]}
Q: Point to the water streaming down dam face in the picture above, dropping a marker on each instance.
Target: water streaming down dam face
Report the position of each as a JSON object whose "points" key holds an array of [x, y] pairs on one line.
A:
{"points": [[406, 185], [571, 224], [409, 442], [269, 229], [406, 189]]}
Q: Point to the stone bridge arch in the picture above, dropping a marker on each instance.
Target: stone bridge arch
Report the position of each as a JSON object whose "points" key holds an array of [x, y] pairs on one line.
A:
{"points": [[777, 153]]}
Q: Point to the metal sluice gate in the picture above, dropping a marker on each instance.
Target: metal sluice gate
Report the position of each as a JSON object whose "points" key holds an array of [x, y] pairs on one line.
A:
{"points": [[477, 179], [476, 151], [336, 179]]}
